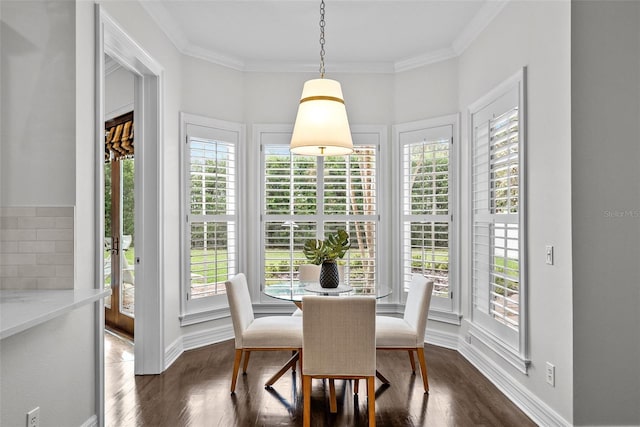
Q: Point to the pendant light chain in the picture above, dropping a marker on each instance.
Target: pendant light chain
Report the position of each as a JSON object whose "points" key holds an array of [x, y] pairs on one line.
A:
{"points": [[322, 39]]}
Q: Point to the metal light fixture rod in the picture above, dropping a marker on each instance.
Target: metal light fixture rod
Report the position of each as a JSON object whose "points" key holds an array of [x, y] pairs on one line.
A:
{"points": [[322, 126]]}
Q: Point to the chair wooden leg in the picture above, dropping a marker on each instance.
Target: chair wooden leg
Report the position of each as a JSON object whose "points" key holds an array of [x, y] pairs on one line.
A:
{"points": [[423, 369], [333, 404], [246, 361], [371, 400], [356, 386], [306, 393], [293, 368], [413, 362], [236, 367]]}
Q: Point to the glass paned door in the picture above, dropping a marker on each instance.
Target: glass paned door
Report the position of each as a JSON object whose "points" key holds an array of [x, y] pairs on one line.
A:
{"points": [[119, 256]]}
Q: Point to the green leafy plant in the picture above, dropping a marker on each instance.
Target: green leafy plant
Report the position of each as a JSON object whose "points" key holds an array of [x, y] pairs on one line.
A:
{"points": [[333, 247]]}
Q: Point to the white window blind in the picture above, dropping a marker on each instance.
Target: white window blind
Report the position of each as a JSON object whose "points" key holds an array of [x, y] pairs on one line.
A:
{"points": [[210, 202], [300, 204], [427, 186], [212, 215], [497, 270]]}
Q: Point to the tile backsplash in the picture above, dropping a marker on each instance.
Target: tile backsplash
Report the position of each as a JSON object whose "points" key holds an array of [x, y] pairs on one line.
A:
{"points": [[36, 247]]}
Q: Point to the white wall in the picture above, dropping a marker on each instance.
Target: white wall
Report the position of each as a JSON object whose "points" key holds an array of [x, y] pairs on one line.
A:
{"points": [[46, 70], [118, 93], [47, 367], [535, 35], [211, 90], [429, 91], [38, 103], [606, 211]]}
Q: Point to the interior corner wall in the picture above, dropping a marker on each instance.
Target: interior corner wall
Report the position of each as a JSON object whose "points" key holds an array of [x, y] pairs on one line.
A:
{"points": [[535, 34], [38, 103], [605, 75], [426, 92]]}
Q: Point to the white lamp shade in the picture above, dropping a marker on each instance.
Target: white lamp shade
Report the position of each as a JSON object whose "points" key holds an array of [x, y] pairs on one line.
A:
{"points": [[322, 127]]}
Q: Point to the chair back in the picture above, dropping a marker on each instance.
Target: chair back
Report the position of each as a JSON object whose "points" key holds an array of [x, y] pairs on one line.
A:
{"points": [[309, 273], [339, 336], [416, 309], [239, 305]]}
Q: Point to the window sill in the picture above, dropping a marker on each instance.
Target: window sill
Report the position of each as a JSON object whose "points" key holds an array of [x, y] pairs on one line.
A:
{"points": [[445, 317], [195, 317]]}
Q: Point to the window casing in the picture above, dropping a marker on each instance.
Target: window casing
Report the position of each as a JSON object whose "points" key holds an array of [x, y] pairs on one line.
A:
{"points": [[498, 220], [210, 195], [299, 203], [428, 214]]}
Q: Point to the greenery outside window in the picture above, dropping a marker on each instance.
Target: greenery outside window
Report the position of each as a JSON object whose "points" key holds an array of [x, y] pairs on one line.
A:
{"points": [[428, 199], [305, 197]]}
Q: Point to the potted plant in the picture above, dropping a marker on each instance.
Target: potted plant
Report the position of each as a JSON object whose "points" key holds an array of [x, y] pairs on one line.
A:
{"points": [[325, 253]]}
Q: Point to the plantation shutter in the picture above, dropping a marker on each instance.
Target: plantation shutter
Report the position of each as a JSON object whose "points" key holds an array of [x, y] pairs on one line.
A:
{"points": [[212, 196], [496, 216], [301, 204], [426, 210]]}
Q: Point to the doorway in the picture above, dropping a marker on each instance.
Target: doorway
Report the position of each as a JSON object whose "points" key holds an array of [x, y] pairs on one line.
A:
{"points": [[147, 238], [119, 224]]}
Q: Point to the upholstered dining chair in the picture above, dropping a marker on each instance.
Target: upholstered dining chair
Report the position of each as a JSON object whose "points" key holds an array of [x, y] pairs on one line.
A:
{"points": [[407, 333], [307, 273], [310, 273], [338, 343], [257, 334]]}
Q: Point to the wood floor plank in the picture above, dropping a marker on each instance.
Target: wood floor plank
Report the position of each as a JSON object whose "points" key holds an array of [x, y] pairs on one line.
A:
{"points": [[194, 391]]}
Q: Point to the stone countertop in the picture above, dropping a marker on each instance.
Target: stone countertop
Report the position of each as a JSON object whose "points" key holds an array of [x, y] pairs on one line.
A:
{"points": [[24, 309]]}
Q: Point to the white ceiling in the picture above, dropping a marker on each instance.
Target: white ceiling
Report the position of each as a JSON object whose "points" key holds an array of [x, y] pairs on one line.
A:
{"points": [[362, 36]]}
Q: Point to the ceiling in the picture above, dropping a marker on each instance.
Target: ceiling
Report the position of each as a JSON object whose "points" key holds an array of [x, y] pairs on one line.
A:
{"points": [[361, 36]]}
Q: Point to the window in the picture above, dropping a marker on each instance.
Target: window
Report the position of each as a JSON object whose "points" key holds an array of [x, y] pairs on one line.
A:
{"points": [[498, 241], [210, 195], [305, 197], [428, 195]]}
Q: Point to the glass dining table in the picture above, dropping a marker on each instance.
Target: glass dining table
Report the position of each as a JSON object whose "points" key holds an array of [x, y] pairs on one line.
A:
{"points": [[293, 291]]}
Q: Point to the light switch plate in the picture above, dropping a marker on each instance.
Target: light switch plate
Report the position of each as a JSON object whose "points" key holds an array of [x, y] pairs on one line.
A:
{"points": [[549, 254]]}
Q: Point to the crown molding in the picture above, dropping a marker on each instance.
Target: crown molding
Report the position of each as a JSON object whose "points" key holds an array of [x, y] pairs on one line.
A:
{"points": [[424, 59], [214, 57], [335, 67], [162, 17], [110, 65], [478, 23]]}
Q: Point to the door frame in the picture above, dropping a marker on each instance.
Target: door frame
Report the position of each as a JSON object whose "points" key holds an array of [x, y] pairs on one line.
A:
{"points": [[149, 186]]}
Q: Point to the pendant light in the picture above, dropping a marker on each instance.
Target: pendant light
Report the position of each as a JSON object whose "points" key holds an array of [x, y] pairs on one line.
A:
{"points": [[321, 127]]}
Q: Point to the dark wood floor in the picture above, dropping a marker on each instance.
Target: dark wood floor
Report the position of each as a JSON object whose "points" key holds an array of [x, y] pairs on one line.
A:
{"points": [[194, 391]]}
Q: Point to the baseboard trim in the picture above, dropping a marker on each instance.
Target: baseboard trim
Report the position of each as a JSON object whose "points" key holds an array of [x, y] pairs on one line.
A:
{"points": [[207, 337], [172, 353], [530, 404], [196, 340], [442, 339], [91, 422]]}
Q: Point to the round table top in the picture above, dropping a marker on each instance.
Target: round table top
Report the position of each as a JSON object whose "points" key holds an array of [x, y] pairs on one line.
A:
{"points": [[294, 291]]}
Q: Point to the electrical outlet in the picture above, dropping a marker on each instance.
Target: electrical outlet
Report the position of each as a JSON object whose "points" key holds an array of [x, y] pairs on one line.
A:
{"points": [[551, 375], [549, 254], [33, 417]]}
